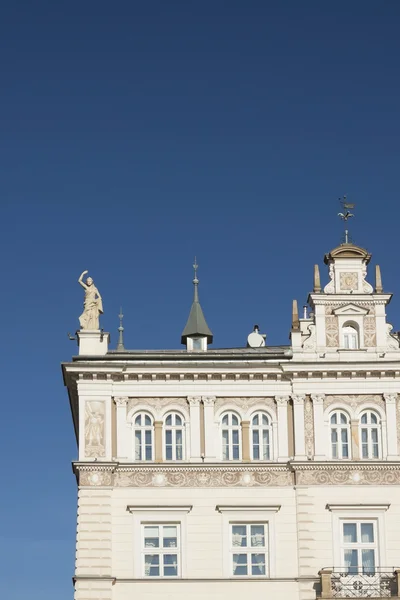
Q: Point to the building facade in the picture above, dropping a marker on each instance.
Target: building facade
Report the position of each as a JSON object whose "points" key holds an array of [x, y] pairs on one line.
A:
{"points": [[271, 471]]}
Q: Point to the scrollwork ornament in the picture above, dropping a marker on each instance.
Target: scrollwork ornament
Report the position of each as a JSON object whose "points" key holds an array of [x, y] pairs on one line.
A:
{"points": [[282, 400], [194, 400], [209, 400], [121, 401], [318, 399], [390, 398], [298, 398]]}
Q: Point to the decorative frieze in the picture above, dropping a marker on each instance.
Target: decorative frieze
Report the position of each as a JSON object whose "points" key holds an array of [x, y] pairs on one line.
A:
{"points": [[353, 401], [158, 404], [244, 404], [348, 474]]}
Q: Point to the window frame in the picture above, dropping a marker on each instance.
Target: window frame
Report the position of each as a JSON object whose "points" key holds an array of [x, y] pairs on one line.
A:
{"points": [[369, 427], [249, 550], [260, 428], [359, 545], [363, 512], [339, 427], [174, 429], [143, 429], [230, 428], [161, 551]]}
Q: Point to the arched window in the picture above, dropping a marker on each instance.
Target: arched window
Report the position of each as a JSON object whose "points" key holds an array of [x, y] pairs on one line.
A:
{"points": [[261, 437], [340, 434], [350, 336], [143, 435], [370, 434], [173, 430], [230, 427]]}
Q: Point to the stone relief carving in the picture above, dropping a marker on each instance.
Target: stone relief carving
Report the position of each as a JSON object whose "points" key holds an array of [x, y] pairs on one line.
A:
{"points": [[348, 282], [194, 400], [330, 287], [282, 400], [211, 477], [94, 428], [369, 332], [332, 331], [158, 404], [245, 403], [121, 401], [309, 427], [338, 475], [311, 342], [355, 400], [95, 478], [366, 287], [391, 341], [398, 425]]}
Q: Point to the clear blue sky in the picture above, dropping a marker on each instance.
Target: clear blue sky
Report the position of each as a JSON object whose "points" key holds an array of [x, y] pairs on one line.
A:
{"points": [[135, 135]]}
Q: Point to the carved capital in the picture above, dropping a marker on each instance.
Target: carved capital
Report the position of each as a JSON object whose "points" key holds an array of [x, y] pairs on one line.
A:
{"points": [[209, 400], [282, 400], [318, 399], [298, 398], [194, 400], [121, 401], [390, 398]]}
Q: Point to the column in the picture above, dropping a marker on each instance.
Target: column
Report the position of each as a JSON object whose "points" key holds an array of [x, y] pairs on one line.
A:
{"points": [[210, 429], [319, 426], [299, 432], [283, 442], [120, 404], [246, 440], [194, 408], [158, 449], [391, 426]]}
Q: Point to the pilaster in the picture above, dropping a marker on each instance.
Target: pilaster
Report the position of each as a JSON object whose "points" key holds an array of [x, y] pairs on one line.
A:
{"points": [[283, 440], [158, 445], [246, 440], [319, 441], [211, 433], [299, 431], [195, 445], [120, 404], [391, 426]]}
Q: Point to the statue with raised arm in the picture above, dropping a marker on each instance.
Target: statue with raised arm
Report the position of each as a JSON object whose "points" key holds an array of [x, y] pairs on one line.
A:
{"points": [[93, 305]]}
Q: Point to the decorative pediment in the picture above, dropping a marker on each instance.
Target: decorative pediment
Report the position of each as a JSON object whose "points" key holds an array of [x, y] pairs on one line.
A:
{"points": [[351, 310]]}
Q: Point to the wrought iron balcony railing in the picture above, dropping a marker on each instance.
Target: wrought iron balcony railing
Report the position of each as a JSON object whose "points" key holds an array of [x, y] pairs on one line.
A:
{"points": [[362, 582]]}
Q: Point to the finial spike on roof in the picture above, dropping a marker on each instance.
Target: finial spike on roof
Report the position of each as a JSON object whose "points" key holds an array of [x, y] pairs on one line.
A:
{"points": [[378, 280], [196, 324], [120, 345], [295, 316], [317, 280]]}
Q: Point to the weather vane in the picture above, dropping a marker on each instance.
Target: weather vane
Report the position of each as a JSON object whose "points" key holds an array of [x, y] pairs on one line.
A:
{"points": [[346, 215]]}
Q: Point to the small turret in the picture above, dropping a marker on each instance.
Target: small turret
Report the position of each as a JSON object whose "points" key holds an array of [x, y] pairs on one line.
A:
{"points": [[196, 334]]}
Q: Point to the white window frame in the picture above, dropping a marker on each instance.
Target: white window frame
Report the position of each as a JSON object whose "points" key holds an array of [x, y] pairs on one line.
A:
{"points": [[359, 545], [143, 429], [260, 428], [162, 514], [230, 428], [369, 427], [338, 426], [161, 551], [174, 428], [248, 514], [342, 513], [350, 340], [249, 550]]}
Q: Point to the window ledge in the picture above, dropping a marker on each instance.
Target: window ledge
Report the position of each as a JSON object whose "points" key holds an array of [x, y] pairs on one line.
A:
{"points": [[367, 507], [247, 507], [160, 507]]}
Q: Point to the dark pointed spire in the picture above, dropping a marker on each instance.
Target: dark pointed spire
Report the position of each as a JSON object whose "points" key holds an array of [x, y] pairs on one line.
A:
{"points": [[120, 345], [196, 324]]}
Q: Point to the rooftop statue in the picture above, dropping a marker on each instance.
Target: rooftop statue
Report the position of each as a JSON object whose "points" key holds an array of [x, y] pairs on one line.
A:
{"points": [[93, 305]]}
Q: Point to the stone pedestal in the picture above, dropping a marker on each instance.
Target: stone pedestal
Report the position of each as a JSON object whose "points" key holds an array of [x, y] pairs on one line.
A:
{"points": [[92, 342]]}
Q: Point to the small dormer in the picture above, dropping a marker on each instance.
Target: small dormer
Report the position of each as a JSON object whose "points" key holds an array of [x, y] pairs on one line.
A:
{"points": [[347, 270], [196, 335]]}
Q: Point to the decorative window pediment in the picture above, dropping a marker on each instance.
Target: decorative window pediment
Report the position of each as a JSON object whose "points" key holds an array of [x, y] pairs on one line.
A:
{"points": [[350, 310]]}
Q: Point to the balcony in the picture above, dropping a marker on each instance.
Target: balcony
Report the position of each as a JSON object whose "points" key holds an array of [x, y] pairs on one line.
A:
{"points": [[342, 582]]}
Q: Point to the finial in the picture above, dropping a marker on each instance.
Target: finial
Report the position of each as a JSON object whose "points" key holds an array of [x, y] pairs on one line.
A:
{"points": [[346, 215], [295, 316], [195, 280], [317, 280], [120, 345], [378, 280]]}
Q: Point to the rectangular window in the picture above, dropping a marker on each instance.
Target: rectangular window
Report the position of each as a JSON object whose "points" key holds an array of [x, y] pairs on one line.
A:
{"points": [[359, 546], [249, 554], [161, 548]]}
